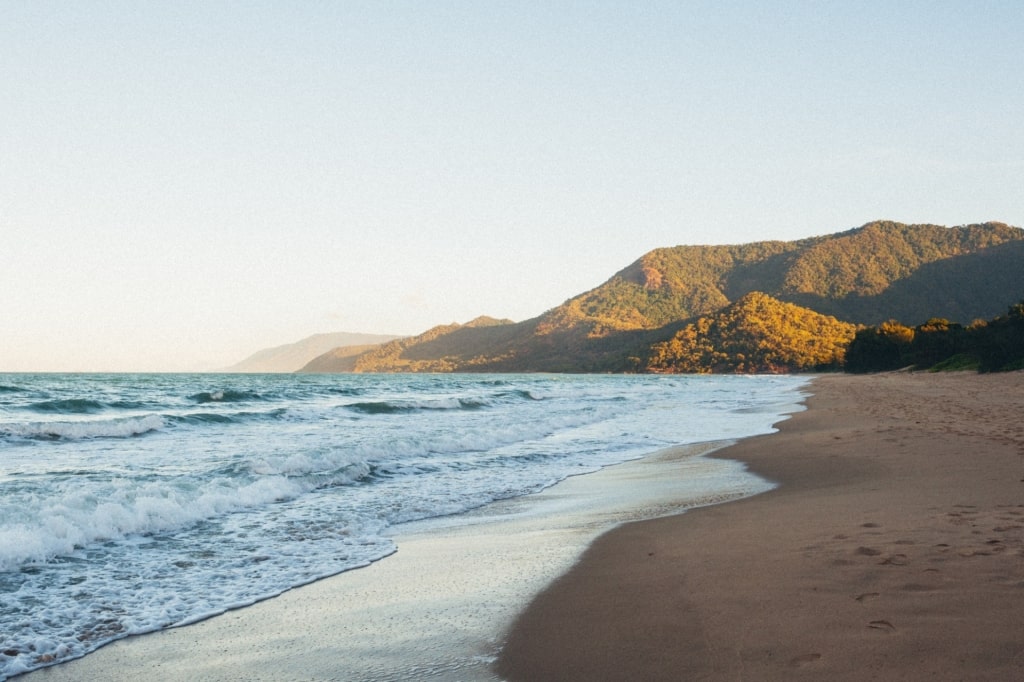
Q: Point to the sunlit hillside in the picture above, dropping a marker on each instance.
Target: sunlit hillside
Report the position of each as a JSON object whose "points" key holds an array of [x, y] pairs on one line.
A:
{"points": [[863, 276]]}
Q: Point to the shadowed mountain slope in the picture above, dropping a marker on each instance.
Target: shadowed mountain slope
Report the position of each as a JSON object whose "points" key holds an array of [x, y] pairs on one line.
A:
{"points": [[875, 272], [834, 274]]}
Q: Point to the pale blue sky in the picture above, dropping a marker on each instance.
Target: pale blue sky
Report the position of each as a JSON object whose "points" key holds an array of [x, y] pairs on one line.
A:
{"points": [[182, 184]]}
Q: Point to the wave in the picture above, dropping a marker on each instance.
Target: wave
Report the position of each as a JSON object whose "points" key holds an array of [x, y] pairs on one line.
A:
{"points": [[474, 403], [346, 391], [129, 405], [71, 521], [406, 406], [201, 418], [124, 427], [522, 393], [127, 427], [204, 418], [225, 396], [65, 526], [68, 406]]}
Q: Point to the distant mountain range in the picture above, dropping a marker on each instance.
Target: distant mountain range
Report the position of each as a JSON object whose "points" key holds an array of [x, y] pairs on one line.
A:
{"points": [[676, 305], [292, 357]]}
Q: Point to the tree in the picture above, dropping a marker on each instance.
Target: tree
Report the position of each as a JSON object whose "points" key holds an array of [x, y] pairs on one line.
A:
{"points": [[880, 349]]}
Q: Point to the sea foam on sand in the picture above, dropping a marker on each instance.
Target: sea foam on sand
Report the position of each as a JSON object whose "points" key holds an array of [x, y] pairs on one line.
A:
{"points": [[439, 607]]}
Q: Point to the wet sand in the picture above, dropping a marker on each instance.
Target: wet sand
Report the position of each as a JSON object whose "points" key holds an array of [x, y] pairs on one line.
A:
{"points": [[893, 549], [437, 609]]}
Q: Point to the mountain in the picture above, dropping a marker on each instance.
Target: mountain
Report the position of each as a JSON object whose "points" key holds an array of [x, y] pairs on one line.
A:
{"points": [[755, 334], [428, 352], [292, 356], [864, 276], [340, 359]]}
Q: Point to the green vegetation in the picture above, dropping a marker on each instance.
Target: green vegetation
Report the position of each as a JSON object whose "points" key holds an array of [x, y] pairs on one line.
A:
{"points": [[667, 285], [699, 309], [445, 348], [756, 334], [340, 359], [867, 261], [867, 275], [881, 348], [940, 345]]}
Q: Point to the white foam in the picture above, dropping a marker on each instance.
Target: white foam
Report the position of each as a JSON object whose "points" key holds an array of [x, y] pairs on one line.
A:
{"points": [[58, 526], [204, 515], [436, 610], [75, 430]]}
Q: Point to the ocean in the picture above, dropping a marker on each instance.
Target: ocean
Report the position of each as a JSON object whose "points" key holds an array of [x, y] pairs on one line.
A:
{"points": [[135, 502]]}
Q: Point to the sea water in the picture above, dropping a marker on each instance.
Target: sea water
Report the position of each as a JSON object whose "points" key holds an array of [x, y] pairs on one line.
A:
{"points": [[135, 502]]}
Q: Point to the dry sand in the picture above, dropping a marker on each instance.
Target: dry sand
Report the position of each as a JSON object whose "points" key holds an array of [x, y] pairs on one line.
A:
{"points": [[892, 550]]}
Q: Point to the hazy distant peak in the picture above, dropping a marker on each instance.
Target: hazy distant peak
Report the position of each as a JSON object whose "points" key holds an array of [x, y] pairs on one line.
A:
{"points": [[291, 357], [760, 306]]}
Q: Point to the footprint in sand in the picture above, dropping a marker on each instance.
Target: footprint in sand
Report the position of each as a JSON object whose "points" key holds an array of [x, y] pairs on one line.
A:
{"points": [[804, 660], [882, 625], [969, 552], [916, 587]]}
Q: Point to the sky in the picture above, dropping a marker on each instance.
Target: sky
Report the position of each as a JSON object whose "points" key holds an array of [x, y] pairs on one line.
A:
{"points": [[185, 183]]}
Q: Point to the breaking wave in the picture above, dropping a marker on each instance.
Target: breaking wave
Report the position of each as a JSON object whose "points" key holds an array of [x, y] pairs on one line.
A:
{"points": [[124, 427]]}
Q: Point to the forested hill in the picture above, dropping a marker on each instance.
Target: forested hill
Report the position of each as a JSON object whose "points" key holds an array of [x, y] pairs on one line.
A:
{"points": [[866, 275]]}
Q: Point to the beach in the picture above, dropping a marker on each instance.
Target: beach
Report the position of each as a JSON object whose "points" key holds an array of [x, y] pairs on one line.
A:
{"points": [[178, 514], [438, 608], [893, 549]]}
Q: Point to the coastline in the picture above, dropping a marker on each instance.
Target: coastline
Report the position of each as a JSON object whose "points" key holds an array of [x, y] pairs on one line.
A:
{"points": [[439, 606], [893, 548]]}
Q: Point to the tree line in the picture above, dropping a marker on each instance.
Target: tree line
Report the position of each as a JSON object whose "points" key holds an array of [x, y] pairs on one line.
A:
{"points": [[996, 345]]}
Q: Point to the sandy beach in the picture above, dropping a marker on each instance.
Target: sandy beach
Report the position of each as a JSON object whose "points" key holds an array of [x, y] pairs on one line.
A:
{"points": [[893, 549], [439, 607]]}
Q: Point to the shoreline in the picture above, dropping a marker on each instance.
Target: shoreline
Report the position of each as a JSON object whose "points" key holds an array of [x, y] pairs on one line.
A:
{"points": [[892, 548], [439, 606]]}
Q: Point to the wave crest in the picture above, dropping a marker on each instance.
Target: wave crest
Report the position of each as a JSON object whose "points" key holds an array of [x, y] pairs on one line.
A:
{"points": [[226, 396], [405, 406], [125, 427], [68, 406]]}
